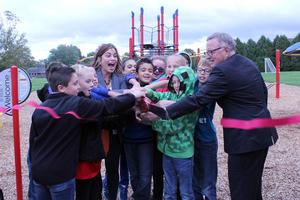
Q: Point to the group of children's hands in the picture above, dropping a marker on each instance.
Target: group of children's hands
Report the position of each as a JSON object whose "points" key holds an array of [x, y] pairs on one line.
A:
{"points": [[141, 108]]}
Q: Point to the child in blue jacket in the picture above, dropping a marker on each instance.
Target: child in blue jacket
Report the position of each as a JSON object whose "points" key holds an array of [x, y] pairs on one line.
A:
{"points": [[206, 145]]}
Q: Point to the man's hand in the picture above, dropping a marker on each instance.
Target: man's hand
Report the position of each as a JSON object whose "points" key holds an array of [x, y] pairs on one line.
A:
{"points": [[148, 117], [164, 103]]}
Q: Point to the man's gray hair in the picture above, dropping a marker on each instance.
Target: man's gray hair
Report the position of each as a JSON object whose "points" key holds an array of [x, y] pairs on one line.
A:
{"points": [[224, 39]]}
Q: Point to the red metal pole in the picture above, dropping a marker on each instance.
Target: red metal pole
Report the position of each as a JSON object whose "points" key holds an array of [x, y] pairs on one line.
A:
{"points": [[132, 31], [130, 48], [176, 23], [277, 73], [174, 32], [142, 32], [16, 128], [162, 30], [198, 56], [158, 34]]}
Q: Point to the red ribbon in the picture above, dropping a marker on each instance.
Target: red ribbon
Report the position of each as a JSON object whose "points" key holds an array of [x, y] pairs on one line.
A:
{"points": [[259, 123], [37, 106], [225, 122]]}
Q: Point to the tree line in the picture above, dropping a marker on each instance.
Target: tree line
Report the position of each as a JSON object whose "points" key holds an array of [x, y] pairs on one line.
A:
{"points": [[14, 49], [265, 48]]}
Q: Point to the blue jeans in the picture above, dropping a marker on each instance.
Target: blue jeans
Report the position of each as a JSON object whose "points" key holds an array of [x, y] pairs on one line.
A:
{"points": [[178, 170], [124, 176], [30, 185], [62, 191], [140, 164], [205, 169]]}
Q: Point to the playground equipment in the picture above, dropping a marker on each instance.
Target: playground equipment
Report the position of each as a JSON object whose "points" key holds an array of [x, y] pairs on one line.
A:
{"points": [[293, 50], [162, 46]]}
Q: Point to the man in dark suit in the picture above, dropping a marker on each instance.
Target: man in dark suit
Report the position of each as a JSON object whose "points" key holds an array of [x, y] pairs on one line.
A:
{"points": [[238, 87]]}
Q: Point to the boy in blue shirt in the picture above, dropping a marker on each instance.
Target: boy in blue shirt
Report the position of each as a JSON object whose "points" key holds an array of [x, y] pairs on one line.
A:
{"points": [[206, 144]]}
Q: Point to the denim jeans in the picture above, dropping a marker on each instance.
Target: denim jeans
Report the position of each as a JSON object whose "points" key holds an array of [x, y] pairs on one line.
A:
{"points": [[140, 162], [62, 191], [205, 169], [178, 170], [158, 172], [30, 185], [124, 176]]}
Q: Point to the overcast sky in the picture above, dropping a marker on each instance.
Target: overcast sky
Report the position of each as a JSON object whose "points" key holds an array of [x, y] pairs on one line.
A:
{"points": [[89, 23]]}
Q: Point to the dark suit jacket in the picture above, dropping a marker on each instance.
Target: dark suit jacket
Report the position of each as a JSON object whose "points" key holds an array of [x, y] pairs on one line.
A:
{"points": [[238, 87]]}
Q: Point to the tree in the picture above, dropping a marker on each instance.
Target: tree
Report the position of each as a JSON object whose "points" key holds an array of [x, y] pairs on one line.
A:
{"points": [[13, 49], [265, 49], [93, 53], [67, 54], [240, 47], [251, 49], [281, 42]]}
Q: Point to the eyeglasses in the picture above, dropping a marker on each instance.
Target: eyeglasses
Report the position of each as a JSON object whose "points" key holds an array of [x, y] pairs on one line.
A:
{"points": [[159, 69], [206, 71], [211, 52]]}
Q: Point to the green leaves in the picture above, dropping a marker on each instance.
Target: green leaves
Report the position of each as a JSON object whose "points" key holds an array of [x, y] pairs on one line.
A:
{"points": [[67, 54], [13, 49]]}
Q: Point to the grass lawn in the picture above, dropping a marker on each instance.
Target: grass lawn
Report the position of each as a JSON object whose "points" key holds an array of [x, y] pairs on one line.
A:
{"points": [[289, 78], [38, 83]]}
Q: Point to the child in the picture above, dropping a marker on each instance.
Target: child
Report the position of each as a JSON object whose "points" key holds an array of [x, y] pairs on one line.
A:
{"points": [[159, 64], [206, 145], [187, 58], [91, 152], [138, 142], [54, 143], [44, 92], [129, 66], [173, 62], [175, 137]]}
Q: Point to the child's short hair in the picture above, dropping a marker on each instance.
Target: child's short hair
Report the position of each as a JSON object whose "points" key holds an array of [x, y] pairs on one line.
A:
{"points": [[80, 69], [177, 56], [206, 63], [51, 65], [142, 61], [124, 60], [60, 76], [187, 58], [157, 57]]}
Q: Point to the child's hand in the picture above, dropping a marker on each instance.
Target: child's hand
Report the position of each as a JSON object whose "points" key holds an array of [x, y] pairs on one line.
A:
{"points": [[137, 92]]}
